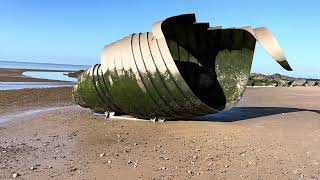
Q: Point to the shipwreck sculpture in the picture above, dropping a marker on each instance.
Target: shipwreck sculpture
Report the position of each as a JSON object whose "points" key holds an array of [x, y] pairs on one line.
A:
{"points": [[180, 69]]}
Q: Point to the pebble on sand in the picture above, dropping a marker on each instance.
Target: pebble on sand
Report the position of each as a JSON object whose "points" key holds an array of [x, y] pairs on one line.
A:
{"points": [[101, 155], [14, 175]]}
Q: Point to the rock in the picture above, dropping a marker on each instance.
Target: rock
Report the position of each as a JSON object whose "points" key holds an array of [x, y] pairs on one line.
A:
{"points": [[109, 161], [277, 77], [32, 168], [120, 140], [135, 144], [129, 162], [311, 83], [260, 77], [162, 168], [135, 164], [153, 119], [14, 175], [190, 172], [283, 83], [101, 155], [126, 150], [263, 84], [299, 82], [162, 120], [273, 85], [210, 164], [73, 169]]}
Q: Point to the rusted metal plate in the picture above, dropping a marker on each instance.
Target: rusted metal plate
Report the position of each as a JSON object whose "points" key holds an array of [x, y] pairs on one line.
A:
{"points": [[180, 69]]}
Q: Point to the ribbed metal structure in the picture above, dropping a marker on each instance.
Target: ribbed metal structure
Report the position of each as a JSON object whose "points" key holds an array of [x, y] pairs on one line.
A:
{"points": [[180, 69]]}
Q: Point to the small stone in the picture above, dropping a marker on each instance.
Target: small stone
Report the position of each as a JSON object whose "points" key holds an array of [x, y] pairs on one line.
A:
{"points": [[129, 162], [120, 140], [195, 157], [192, 162], [126, 150], [109, 161], [101, 155], [73, 169], [162, 168], [166, 158], [32, 168], [135, 144], [226, 166], [190, 172], [14, 175], [126, 133], [118, 136]]}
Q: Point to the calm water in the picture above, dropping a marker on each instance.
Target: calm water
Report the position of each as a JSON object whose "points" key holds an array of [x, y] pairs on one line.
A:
{"points": [[44, 75], [46, 66], [50, 75], [30, 85]]}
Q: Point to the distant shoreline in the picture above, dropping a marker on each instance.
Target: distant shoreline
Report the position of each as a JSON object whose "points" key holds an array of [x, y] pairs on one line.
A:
{"points": [[15, 75], [84, 66]]}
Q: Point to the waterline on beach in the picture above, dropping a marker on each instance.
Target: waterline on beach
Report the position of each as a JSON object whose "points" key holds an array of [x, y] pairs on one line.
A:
{"points": [[49, 75], [31, 85], [22, 114]]}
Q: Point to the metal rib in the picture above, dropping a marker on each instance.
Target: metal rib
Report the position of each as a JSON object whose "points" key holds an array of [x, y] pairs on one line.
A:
{"points": [[151, 90], [156, 78]]}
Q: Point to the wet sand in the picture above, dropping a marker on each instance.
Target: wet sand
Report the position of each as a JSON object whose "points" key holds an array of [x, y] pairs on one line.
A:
{"points": [[273, 133], [15, 75], [30, 99]]}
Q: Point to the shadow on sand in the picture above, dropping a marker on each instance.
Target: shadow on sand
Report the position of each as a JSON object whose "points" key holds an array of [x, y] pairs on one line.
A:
{"points": [[245, 113]]}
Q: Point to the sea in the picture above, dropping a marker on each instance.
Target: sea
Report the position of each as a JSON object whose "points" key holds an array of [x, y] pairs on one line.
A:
{"points": [[46, 75]]}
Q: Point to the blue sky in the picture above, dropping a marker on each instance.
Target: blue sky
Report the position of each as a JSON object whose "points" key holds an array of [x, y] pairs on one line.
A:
{"points": [[73, 32]]}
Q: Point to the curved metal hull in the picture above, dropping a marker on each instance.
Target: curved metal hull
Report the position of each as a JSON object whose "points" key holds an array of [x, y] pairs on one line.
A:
{"points": [[180, 69]]}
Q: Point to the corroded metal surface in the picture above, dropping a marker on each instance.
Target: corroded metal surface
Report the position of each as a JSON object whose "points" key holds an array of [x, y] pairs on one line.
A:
{"points": [[180, 69]]}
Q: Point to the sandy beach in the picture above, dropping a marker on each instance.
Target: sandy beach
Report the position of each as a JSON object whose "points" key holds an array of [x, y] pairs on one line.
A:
{"points": [[273, 133]]}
